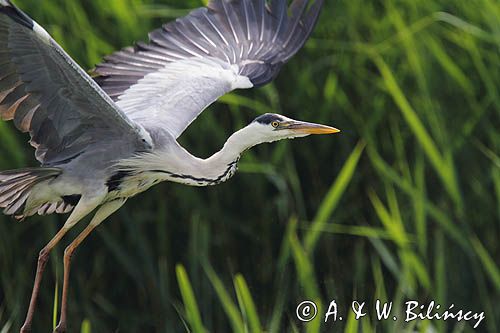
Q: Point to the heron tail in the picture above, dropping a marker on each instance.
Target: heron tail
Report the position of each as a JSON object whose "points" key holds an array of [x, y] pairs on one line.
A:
{"points": [[17, 185]]}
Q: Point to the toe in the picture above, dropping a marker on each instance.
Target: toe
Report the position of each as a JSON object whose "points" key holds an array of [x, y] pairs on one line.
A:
{"points": [[60, 329]]}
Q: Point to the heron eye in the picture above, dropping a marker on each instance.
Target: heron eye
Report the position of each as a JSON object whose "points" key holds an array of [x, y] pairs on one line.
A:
{"points": [[275, 124]]}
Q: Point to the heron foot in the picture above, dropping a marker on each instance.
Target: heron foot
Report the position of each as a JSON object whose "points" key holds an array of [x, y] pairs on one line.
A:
{"points": [[61, 328], [25, 329]]}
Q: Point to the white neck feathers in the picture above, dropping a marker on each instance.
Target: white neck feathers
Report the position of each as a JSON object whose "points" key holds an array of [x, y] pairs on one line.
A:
{"points": [[174, 163]]}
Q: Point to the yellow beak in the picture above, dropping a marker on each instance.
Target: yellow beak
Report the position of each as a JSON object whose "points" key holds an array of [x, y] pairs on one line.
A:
{"points": [[311, 128]]}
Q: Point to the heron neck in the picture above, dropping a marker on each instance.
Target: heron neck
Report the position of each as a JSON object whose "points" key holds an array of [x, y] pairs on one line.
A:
{"points": [[223, 163], [235, 145], [174, 163]]}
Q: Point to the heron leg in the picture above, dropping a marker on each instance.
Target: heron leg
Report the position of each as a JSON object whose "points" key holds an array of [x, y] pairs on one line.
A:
{"points": [[80, 211], [104, 212], [42, 261]]}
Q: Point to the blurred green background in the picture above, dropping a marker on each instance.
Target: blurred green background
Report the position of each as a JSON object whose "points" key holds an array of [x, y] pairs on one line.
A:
{"points": [[403, 204]]}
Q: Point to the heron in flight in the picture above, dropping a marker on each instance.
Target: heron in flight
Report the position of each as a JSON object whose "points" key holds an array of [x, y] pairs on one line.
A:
{"points": [[103, 139]]}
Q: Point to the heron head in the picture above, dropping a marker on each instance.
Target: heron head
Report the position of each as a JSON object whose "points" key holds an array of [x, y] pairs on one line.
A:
{"points": [[273, 127]]}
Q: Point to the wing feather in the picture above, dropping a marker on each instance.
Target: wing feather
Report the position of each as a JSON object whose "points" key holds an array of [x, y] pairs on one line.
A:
{"points": [[48, 95], [191, 62]]}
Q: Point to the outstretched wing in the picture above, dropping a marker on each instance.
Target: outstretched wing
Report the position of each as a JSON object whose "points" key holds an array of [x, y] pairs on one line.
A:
{"points": [[191, 62], [48, 95]]}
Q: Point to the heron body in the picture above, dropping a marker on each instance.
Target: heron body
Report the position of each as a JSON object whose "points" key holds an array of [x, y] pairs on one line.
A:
{"points": [[103, 139]]}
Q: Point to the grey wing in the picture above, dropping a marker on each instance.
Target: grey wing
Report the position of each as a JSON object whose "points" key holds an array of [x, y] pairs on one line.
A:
{"points": [[48, 95], [191, 62]]}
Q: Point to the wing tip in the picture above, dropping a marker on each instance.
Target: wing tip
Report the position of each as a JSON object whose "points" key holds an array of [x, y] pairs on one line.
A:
{"points": [[307, 20], [9, 9]]}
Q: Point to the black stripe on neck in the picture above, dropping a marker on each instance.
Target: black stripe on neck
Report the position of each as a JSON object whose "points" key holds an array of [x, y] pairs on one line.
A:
{"points": [[209, 181]]}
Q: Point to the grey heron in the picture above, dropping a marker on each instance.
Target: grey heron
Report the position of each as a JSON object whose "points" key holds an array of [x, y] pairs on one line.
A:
{"points": [[103, 139]]}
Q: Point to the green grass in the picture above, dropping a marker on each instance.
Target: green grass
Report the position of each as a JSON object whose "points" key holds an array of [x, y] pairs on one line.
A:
{"points": [[403, 204]]}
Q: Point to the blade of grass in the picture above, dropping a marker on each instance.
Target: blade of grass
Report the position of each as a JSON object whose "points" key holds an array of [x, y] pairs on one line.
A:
{"points": [[189, 300], [496, 182], [378, 277], [419, 204], [464, 26], [437, 214], [352, 325], [55, 307], [489, 265], [392, 224], [440, 274], [333, 197], [449, 65], [247, 304], [306, 277], [444, 169], [353, 230], [228, 305], [86, 327], [386, 256]]}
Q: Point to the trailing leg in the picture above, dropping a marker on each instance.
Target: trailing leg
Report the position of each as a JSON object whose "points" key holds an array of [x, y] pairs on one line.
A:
{"points": [[42, 261], [104, 212], [83, 208]]}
